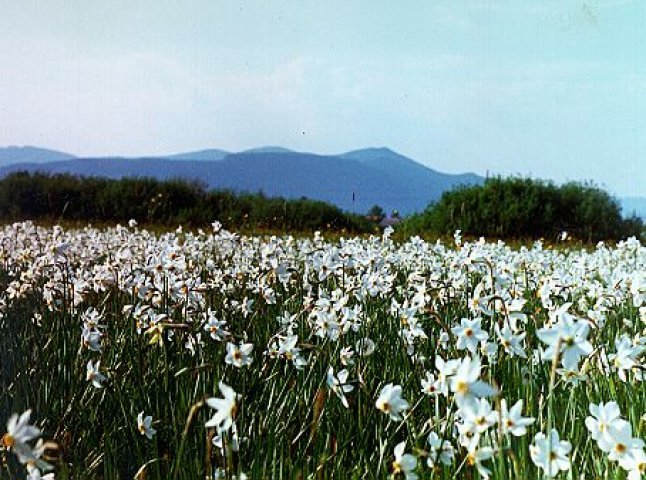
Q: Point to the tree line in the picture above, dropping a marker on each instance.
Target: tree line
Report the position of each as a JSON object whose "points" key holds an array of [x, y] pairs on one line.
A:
{"points": [[518, 208], [65, 197]]}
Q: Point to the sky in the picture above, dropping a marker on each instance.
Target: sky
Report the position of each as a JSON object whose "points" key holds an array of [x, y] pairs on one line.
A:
{"points": [[552, 89]]}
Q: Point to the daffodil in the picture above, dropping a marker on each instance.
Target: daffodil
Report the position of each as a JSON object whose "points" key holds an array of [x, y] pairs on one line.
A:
{"points": [[550, 454], [404, 463], [225, 408], [338, 384], [391, 402], [239, 356], [19, 433], [144, 425], [94, 375]]}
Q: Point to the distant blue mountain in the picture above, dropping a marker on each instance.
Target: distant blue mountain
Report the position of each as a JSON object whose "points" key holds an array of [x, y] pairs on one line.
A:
{"points": [[201, 155], [354, 181], [268, 149], [10, 155], [424, 180]]}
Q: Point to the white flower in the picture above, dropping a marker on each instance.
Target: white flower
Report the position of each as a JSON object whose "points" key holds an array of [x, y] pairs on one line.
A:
{"points": [[466, 383], [365, 347], [550, 454], [404, 463], [634, 464], [604, 421], [469, 334], [223, 439], [477, 416], [626, 356], [338, 384], [144, 425], [391, 402], [510, 341], [36, 466], [346, 356], [225, 408], [287, 349], [94, 375], [34, 473], [19, 432], [430, 386], [214, 326], [571, 337], [620, 442], [477, 456], [239, 356], [440, 450], [512, 420], [445, 369]]}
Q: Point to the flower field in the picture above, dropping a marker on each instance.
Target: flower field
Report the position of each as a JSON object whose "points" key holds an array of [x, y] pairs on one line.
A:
{"points": [[127, 354]]}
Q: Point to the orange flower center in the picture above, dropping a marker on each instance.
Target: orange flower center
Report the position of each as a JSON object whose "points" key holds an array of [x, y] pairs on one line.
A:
{"points": [[8, 441]]}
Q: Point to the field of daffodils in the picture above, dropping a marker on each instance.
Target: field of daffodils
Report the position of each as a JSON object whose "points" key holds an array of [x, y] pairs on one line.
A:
{"points": [[208, 355]]}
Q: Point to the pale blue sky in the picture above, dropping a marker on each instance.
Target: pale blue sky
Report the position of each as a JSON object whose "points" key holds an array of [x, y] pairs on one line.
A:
{"points": [[553, 89]]}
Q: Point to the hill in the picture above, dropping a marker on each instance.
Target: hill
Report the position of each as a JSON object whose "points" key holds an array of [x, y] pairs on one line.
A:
{"points": [[353, 181], [11, 155], [212, 154]]}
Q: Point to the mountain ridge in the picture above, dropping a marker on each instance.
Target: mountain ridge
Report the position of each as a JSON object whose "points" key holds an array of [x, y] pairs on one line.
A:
{"points": [[354, 180], [28, 154]]}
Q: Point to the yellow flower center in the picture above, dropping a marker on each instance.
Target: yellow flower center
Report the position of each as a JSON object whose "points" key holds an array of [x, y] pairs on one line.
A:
{"points": [[461, 387], [468, 332]]}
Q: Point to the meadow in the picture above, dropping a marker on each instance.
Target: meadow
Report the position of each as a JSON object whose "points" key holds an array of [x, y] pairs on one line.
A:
{"points": [[182, 355]]}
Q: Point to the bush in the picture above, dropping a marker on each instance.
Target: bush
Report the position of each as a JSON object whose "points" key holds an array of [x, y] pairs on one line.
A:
{"points": [[526, 208]]}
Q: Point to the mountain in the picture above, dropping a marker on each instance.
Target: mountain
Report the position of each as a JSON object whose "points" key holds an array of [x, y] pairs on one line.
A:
{"points": [[10, 155], [354, 181], [416, 176], [633, 205], [268, 149], [201, 155]]}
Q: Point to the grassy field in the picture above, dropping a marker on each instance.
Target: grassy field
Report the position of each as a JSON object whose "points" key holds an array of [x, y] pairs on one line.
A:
{"points": [[183, 355]]}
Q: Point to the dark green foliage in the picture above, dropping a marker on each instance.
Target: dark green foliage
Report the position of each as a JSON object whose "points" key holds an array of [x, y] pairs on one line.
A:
{"points": [[171, 203], [526, 208], [376, 212]]}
